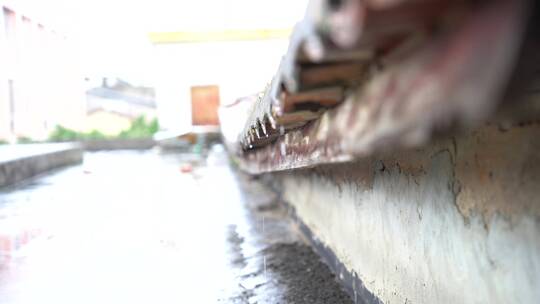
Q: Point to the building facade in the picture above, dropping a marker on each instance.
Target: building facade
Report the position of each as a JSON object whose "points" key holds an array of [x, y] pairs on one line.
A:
{"points": [[113, 106], [198, 71], [40, 85]]}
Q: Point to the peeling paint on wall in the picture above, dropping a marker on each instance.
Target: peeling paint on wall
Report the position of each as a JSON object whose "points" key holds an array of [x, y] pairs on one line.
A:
{"points": [[506, 166], [455, 222]]}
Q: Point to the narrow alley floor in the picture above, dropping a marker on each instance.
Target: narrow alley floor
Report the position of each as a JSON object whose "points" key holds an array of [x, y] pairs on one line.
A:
{"points": [[133, 227]]}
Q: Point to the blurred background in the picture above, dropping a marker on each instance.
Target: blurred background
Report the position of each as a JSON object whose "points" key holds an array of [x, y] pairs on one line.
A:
{"points": [[81, 223], [218, 151], [91, 69]]}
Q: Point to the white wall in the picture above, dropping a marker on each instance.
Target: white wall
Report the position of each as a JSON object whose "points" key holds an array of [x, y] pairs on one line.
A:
{"points": [[239, 68], [48, 86]]}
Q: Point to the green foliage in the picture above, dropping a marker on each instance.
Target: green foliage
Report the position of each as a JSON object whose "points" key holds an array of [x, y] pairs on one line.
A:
{"points": [[94, 134], [25, 140], [64, 134], [139, 128], [3, 142]]}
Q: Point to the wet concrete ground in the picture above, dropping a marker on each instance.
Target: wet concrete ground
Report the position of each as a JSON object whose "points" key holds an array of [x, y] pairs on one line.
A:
{"points": [[131, 227]]}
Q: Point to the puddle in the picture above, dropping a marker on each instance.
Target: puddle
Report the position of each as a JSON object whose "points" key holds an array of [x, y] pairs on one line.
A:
{"points": [[137, 230]]}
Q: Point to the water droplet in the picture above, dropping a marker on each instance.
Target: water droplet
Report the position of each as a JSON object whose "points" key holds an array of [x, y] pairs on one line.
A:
{"points": [[264, 266], [272, 122], [263, 127]]}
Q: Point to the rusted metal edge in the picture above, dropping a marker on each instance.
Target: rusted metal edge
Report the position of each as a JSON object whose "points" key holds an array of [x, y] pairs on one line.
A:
{"points": [[457, 78], [334, 46]]}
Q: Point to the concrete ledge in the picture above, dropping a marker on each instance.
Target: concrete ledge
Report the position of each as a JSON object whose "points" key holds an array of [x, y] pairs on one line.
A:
{"points": [[118, 144], [348, 279], [454, 222], [20, 162]]}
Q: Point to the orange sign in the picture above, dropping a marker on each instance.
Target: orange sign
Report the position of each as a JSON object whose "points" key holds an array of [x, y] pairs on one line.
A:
{"points": [[204, 105]]}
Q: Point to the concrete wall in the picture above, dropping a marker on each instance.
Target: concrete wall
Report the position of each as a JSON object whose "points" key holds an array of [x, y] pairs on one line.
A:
{"points": [[18, 163], [108, 123], [456, 222], [118, 144]]}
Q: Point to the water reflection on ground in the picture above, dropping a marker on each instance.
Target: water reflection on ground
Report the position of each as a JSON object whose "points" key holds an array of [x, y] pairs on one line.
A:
{"points": [[136, 227]]}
